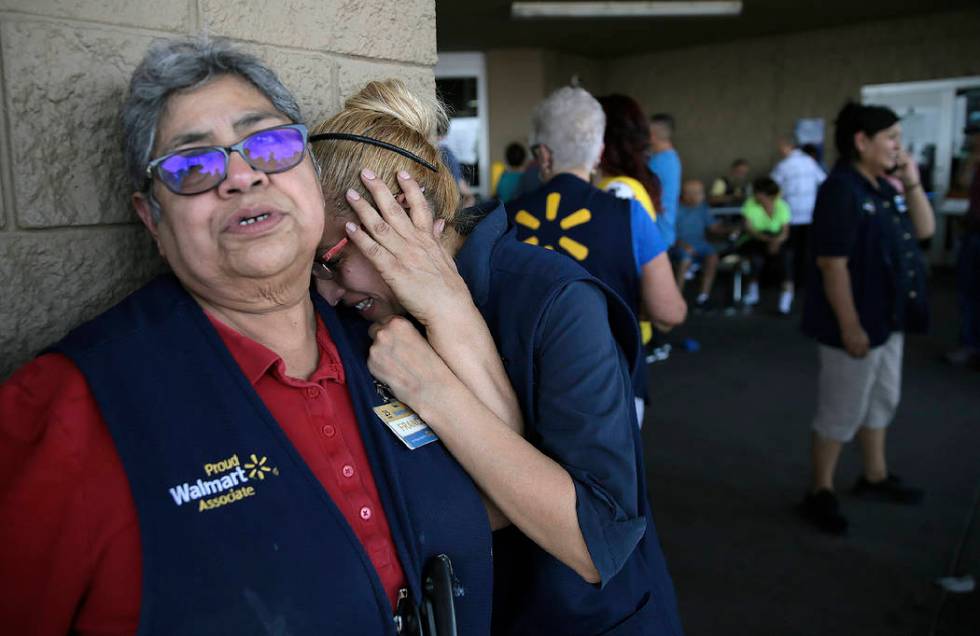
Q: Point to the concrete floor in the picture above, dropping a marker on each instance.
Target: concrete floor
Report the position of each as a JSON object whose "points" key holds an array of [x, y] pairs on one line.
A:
{"points": [[727, 447]]}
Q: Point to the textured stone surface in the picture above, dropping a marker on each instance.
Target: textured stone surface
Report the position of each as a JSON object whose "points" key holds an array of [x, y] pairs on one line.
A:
{"points": [[168, 16], [370, 28], [64, 86], [734, 99], [5, 210], [354, 74], [50, 281], [310, 76], [3, 207], [64, 75]]}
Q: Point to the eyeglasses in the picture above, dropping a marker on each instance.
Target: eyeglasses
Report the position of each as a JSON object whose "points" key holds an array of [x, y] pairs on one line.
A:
{"points": [[196, 170], [323, 268]]}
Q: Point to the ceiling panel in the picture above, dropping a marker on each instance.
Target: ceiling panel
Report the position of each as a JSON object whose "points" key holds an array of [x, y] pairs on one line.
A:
{"points": [[486, 24]]}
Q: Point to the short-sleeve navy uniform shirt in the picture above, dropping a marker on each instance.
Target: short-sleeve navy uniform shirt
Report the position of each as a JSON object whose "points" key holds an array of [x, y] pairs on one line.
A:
{"points": [[870, 226]]}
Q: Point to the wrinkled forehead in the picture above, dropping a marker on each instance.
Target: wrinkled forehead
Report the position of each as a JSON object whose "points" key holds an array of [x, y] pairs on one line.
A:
{"points": [[201, 114]]}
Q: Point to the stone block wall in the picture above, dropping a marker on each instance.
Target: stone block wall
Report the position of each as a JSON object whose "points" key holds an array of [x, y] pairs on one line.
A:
{"points": [[70, 244]]}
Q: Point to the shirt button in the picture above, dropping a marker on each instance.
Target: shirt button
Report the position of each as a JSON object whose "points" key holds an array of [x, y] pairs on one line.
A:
{"points": [[911, 273], [886, 204], [906, 236], [912, 294], [312, 392], [365, 513], [329, 430], [348, 471]]}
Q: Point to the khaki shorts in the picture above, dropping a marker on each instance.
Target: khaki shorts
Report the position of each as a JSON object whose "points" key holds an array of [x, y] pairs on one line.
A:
{"points": [[856, 392]]}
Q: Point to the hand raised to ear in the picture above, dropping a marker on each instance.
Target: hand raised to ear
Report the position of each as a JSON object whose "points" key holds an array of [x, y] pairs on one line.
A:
{"points": [[404, 249]]}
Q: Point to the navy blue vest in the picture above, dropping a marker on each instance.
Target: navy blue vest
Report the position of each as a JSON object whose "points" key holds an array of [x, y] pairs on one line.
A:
{"points": [[238, 536], [534, 593], [593, 227]]}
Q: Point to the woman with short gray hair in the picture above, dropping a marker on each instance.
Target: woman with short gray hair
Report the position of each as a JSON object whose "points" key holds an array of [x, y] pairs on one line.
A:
{"points": [[204, 457], [570, 123], [614, 239]]}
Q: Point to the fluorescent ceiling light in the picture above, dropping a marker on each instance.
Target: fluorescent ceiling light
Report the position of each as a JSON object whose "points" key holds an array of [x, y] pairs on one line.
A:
{"points": [[526, 10]]}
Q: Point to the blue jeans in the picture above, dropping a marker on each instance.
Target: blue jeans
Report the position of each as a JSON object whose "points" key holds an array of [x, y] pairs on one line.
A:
{"points": [[968, 289]]}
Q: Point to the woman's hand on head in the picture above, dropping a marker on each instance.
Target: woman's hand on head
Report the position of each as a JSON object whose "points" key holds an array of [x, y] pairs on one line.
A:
{"points": [[403, 244], [401, 358]]}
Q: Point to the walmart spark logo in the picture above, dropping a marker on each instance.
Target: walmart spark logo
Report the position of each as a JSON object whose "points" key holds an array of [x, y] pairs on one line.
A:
{"points": [[225, 482], [257, 468], [578, 217]]}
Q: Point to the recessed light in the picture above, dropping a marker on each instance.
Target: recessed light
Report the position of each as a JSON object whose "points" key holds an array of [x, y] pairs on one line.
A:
{"points": [[534, 10]]}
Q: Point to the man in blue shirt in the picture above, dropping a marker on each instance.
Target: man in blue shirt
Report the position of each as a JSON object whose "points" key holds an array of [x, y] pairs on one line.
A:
{"points": [[695, 225], [665, 163]]}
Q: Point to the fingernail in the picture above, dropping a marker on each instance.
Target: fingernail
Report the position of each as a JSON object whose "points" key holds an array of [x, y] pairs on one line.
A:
{"points": [[351, 227], [404, 176], [368, 174], [353, 195]]}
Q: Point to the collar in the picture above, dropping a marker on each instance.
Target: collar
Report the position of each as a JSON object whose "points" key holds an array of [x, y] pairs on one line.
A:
{"points": [[473, 259], [884, 190], [255, 360], [564, 180]]}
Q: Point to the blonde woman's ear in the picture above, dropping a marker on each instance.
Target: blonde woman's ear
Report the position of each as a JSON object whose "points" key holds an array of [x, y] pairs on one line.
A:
{"points": [[438, 227]]}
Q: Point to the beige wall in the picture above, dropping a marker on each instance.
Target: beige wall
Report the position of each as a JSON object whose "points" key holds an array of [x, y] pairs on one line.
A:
{"points": [[69, 243], [517, 79], [515, 83], [735, 99]]}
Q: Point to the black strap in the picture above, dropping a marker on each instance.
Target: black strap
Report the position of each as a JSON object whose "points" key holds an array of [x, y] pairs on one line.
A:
{"points": [[374, 142]]}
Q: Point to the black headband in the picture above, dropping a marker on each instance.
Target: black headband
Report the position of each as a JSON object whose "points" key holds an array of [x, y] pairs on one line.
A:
{"points": [[374, 142]]}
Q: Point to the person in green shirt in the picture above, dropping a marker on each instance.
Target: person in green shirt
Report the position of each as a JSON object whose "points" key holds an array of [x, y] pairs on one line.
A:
{"points": [[767, 219]]}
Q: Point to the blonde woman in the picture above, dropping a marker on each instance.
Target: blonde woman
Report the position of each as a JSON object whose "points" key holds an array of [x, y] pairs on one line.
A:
{"points": [[560, 462]]}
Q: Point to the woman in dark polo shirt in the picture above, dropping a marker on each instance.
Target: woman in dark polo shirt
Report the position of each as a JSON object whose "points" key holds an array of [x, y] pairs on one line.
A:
{"points": [[870, 289]]}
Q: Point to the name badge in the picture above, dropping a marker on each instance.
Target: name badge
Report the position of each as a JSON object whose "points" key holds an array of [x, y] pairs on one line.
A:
{"points": [[900, 204], [405, 424]]}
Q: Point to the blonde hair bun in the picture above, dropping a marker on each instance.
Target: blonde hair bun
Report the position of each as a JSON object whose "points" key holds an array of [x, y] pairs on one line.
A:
{"points": [[392, 98], [385, 111]]}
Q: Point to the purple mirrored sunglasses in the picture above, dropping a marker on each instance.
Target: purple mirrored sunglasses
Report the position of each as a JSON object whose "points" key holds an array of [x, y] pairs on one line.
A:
{"points": [[196, 170]]}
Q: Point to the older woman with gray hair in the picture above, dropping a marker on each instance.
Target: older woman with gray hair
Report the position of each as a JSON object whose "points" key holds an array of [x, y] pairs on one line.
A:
{"points": [[614, 239], [204, 457]]}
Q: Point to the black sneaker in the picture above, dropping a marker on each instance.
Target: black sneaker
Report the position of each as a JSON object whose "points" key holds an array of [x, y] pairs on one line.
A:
{"points": [[703, 306], [890, 490], [820, 509]]}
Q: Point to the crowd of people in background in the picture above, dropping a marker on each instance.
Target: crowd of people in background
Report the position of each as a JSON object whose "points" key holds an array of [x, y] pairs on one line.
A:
{"points": [[760, 224], [848, 237], [325, 276]]}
